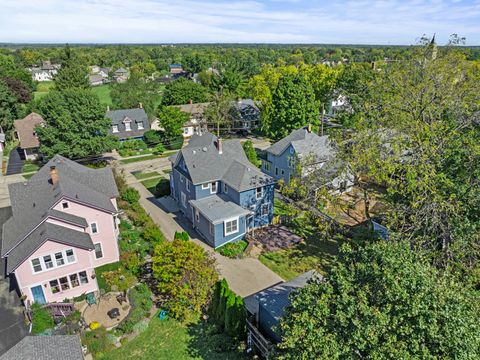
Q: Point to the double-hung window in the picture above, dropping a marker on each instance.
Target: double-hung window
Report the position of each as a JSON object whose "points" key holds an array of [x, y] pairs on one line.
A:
{"points": [[94, 227], [64, 285], [59, 259], [98, 251], [74, 280], [47, 259], [213, 187], [128, 126], [258, 193], [231, 226], [83, 277], [54, 286], [37, 265], [70, 256]]}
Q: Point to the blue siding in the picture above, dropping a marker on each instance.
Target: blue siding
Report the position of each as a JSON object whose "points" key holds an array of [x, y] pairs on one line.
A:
{"points": [[248, 200], [279, 163], [267, 323], [220, 237]]}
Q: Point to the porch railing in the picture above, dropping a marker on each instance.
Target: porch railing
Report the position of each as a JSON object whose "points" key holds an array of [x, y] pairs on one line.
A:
{"points": [[256, 338]]}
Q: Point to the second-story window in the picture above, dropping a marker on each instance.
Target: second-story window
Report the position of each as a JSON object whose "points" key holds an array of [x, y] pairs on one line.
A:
{"points": [[94, 228], [48, 261], [59, 259], [98, 251], [258, 193], [140, 125], [70, 256], [37, 265], [128, 126], [115, 128]]}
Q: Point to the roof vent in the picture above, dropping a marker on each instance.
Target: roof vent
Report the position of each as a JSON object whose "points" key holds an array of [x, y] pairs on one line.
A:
{"points": [[194, 152], [33, 204], [204, 149], [76, 196]]}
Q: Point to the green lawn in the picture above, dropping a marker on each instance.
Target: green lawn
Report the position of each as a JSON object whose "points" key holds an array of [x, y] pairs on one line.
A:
{"points": [[42, 89], [150, 184], [103, 93], [102, 284], [30, 167], [139, 158], [315, 253], [146, 175], [169, 339]]}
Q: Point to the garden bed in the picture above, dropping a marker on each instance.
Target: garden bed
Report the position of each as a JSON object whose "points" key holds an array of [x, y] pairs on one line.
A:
{"points": [[233, 250], [276, 237]]}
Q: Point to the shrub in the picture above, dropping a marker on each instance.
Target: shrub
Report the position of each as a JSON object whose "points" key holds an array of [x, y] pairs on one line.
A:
{"points": [[41, 319], [162, 188], [120, 278], [221, 303], [159, 149], [131, 235], [152, 137], [181, 235], [251, 153], [125, 225], [141, 296], [153, 234], [131, 261], [235, 316], [233, 249], [131, 195], [139, 216], [99, 271], [97, 341], [175, 143]]}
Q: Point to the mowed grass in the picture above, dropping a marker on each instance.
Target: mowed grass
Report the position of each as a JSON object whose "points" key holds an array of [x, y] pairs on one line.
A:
{"points": [[103, 93], [151, 184], [172, 340], [146, 175], [140, 158], [314, 253], [42, 89]]}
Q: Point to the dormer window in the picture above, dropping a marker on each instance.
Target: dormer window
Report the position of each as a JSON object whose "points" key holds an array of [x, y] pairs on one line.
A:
{"points": [[128, 124], [140, 125], [115, 128]]}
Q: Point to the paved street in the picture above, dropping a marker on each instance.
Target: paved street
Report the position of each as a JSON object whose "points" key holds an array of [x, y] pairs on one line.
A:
{"points": [[245, 276]]}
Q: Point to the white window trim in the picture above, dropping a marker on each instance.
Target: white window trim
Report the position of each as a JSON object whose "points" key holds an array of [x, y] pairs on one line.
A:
{"points": [[225, 188], [211, 187], [261, 209], [256, 193], [205, 186], [140, 125], [231, 220], [95, 250], [96, 226], [114, 128], [55, 266]]}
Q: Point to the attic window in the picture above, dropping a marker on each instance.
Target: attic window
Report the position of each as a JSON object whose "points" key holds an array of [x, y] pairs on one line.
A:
{"points": [[115, 128], [65, 205], [140, 125]]}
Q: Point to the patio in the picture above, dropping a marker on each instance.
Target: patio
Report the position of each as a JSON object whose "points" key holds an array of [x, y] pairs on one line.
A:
{"points": [[104, 304], [276, 237]]}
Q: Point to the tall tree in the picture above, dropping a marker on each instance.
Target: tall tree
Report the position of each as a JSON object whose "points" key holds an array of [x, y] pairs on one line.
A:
{"points": [[172, 121], [72, 75], [8, 107], [134, 91], [381, 301], [182, 91], [76, 126], [293, 106], [219, 112]]}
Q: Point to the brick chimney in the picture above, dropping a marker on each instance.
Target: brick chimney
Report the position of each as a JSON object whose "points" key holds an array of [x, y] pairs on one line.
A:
{"points": [[53, 175], [220, 146], [140, 105], [108, 108], [190, 101]]}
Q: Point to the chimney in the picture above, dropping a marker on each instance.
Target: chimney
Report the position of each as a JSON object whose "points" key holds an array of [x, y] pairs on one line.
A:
{"points": [[108, 108], [140, 105], [190, 101], [220, 146], [53, 175], [309, 128]]}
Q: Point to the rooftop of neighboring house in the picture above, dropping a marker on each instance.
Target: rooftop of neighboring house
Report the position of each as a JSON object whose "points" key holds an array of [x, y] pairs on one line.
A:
{"points": [[206, 162], [58, 347], [175, 66], [32, 202], [276, 298], [95, 78], [304, 142], [245, 103], [134, 116], [121, 71], [25, 129]]}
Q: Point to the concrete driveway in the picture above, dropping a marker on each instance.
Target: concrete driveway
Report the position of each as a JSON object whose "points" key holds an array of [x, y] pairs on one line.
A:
{"points": [[12, 326], [245, 276]]}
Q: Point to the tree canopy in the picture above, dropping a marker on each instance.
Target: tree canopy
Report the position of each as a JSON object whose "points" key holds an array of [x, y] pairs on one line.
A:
{"points": [[172, 120], [381, 301], [76, 125], [182, 91]]}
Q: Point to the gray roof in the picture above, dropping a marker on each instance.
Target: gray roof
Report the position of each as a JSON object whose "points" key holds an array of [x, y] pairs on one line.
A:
{"points": [[121, 71], [118, 117], [205, 163], [47, 231], [58, 347], [218, 208], [32, 200], [276, 298], [304, 143]]}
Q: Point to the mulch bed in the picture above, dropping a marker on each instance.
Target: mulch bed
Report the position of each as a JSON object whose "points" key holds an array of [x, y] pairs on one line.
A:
{"points": [[276, 237]]}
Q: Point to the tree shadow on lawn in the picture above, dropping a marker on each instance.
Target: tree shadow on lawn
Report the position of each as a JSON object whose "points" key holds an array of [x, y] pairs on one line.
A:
{"points": [[207, 342]]}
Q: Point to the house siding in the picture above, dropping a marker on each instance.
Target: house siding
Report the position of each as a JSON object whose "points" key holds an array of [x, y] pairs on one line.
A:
{"points": [[28, 279], [280, 162], [221, 239]]}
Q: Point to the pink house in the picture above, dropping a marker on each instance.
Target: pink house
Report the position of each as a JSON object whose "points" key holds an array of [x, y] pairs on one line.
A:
{"points": [[63, 226]]}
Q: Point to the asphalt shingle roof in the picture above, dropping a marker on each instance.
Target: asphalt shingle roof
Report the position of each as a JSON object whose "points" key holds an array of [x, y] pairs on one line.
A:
{"points": [[58, 347], [217, 208], [205, 163], [136, 116], [304, 143], [25, 129]]}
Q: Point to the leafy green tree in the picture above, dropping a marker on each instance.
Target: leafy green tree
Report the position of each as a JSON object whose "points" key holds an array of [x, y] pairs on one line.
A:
{"points": [[235, 316], [172, 120], [221, 304], [219, 112], [152, 137], [251, 153], [293, 106], [73, 74], [133, 92], [76, 126], [182, 91], [381, 301], [9, 109], [185, 273]]}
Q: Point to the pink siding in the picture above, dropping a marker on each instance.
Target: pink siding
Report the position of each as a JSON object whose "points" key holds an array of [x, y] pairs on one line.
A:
{"points": [[27, 278], [107, 236], [64, 224]]}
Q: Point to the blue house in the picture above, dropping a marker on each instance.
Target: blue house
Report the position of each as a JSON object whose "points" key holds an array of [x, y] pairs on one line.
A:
{"points": [[219, 190], [315, 153]]}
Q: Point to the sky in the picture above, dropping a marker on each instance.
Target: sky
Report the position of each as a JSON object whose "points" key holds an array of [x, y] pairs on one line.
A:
{"points": [[395, 22]]}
